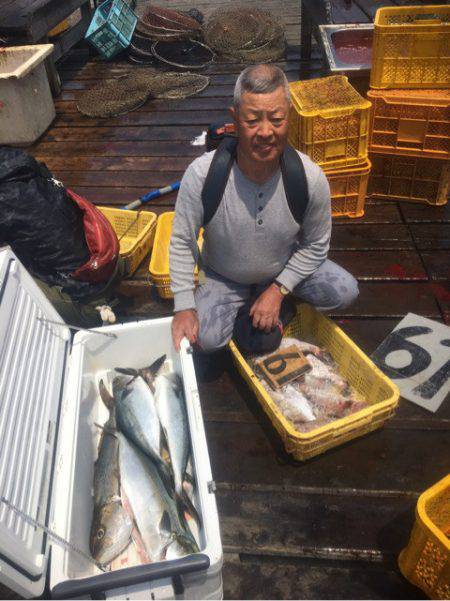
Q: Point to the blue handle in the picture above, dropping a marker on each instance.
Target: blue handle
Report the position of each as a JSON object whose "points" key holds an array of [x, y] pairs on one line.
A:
{"points": [[152, 195], [160, 192]]}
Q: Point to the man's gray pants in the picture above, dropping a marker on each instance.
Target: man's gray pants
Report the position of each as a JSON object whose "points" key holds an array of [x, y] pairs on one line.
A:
{"points": [[218, 300]]}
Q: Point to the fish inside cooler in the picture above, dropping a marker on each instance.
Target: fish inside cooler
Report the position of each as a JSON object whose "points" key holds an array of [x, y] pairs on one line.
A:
{"points": [[84, 413]]}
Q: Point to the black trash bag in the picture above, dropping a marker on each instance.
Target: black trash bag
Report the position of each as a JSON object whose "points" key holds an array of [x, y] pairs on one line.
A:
{"points": [[41, 223]]}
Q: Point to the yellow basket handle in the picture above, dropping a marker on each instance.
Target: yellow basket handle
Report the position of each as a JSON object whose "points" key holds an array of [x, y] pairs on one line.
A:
{"points": [[430, 19]]}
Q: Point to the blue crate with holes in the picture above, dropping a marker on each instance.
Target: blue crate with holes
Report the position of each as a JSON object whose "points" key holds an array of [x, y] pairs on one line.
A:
{"points": [[111, 28]]}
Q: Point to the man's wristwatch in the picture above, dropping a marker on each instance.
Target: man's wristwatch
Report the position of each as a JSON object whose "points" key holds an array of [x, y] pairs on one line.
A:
{"points": [[284, 291]]}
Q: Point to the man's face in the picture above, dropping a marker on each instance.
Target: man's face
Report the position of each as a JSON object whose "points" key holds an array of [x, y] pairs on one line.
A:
{"points": [[262, 125]]}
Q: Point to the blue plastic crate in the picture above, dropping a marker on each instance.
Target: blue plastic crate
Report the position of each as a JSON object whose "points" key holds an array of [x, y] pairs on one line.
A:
{"points": [[112, 27]]}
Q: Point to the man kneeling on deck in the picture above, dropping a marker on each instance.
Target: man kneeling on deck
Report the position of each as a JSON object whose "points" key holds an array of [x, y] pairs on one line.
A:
{"points": [[260, 243]]}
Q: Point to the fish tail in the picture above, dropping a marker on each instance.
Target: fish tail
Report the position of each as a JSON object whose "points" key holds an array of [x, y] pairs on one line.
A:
{"points": [[156, 365], [127, 371], [187, 541], [106, 396], [107, 428], [185, 505]]}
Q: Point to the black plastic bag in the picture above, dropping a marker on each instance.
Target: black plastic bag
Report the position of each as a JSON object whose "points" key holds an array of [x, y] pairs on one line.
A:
{"points": [[43, 226]]}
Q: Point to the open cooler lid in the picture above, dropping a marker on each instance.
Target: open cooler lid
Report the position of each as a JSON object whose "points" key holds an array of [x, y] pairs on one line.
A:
{"points": [[32, 363]]}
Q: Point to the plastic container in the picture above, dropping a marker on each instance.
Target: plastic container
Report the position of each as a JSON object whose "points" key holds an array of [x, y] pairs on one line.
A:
{"points": [[26, 103], [407, 178], [371, 384], [112, 27], [348, 47], [329, 121], [135, 231], [348, 189], [425, 562], [410, 122], [50, 408], [159, 262], [411, 47]]}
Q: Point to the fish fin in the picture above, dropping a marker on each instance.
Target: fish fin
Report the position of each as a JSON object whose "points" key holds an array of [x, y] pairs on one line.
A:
{"points": [[106, 396], [165, 524], [127, 371], [184, 504], [156, 365], [164, 451]]}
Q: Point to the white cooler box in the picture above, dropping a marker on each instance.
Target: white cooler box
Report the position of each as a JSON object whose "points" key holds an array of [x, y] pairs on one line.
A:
{"points": [[49, 405]]}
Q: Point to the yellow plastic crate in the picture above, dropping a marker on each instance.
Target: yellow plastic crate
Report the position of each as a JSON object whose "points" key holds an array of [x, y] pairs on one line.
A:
{"points": [[329, 121], [412, 179], [135, 231], [369, 382], [410, 122], [159, 262], [425, 562], [348, 189], [411, 47]]}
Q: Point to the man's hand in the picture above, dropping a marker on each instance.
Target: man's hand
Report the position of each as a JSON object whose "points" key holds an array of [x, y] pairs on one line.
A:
{"points": [[266, 309], [185, 323]]}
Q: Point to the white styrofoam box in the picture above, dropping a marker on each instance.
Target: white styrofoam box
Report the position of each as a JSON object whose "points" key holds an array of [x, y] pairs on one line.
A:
{"points": [[26, 103], [71, 405]]}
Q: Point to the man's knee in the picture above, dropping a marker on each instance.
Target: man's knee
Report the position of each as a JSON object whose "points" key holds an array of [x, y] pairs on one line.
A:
{"points": [[210, 340], [347, 292]]}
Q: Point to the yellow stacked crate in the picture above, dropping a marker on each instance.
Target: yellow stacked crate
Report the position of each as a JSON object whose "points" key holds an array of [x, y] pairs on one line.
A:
{"points": [[329, 121], [409, 132]]}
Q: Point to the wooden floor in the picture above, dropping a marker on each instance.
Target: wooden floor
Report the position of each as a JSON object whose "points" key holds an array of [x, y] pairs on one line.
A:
{"points": [[333, 526]]}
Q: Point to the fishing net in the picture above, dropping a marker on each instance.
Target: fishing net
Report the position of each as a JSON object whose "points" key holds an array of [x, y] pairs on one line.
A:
{"points": [[246, 34], [112, 98], [158, 23], [172, 19], [127, 93], [184, 54], [178, 85]]}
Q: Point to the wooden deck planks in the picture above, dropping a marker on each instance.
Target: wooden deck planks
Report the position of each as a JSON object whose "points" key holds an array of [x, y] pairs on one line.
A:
{"points": [[249, 576], [331, 527]]}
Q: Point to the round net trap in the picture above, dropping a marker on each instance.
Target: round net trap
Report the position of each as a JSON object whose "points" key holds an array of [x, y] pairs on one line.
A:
{"points": [[245, 34], [127, 93], [183, 54]]}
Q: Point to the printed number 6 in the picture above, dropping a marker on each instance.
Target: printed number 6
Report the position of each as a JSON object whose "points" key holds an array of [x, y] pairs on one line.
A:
{"points": [[420, 360]]}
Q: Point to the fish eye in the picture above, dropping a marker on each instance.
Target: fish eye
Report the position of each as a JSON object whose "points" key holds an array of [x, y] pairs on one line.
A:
{"points": [[100, 533]]}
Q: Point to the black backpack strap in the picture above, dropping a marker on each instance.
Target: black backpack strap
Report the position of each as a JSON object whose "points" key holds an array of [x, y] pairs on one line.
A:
{"points": [[295, 183], [217, 177]]}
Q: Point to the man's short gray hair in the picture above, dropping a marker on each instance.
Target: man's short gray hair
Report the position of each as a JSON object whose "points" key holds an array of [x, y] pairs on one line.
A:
{"points": [[260, 79]]}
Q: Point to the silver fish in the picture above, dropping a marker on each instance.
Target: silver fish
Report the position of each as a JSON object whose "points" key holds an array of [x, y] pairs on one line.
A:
{"points": [[323, 371], [171, 410], [110, 532], [106, 470], [291, 402], [138, 419], [154, 510]]}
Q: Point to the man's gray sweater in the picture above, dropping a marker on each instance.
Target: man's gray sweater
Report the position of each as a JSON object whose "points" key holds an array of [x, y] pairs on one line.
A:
{"points": [[253, 237]]}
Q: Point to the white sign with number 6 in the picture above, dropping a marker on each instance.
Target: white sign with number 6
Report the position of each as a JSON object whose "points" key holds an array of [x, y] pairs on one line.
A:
{"points": [[416, 356]]}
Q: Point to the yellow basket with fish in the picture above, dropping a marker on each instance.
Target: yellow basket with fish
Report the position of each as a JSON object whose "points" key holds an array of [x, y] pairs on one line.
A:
{"points": [[425, 562], [368, 381]]}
